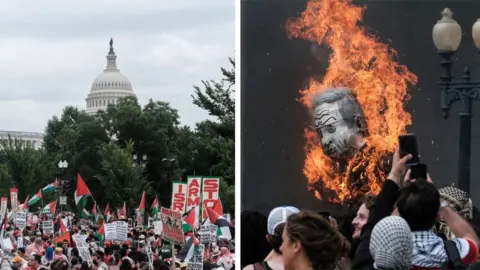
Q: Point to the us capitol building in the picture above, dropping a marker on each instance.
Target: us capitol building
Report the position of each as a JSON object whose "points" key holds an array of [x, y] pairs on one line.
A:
{"points": [[106, 89]]}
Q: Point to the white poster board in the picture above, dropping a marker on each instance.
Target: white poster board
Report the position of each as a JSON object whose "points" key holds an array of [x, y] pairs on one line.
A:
{"points": [[158, 227], [80, 241], [110, 232], [84, 253], [47, 226], [21, 220]]}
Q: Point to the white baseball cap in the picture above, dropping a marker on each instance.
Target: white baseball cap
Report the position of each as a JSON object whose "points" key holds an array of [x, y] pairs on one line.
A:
{"points": [[279, 216]]}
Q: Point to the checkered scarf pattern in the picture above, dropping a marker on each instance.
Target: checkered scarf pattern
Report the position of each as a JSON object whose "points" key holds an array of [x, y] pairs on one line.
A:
{"points": [[428, 250], [391, 244], [460, 202]]}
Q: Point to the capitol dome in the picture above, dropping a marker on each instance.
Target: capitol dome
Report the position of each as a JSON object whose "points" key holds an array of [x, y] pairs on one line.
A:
{"points": [[108, 87]]}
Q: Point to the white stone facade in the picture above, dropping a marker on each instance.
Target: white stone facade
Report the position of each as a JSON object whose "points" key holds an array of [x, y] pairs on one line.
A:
{"points": [[108, 87], [33, 139]]}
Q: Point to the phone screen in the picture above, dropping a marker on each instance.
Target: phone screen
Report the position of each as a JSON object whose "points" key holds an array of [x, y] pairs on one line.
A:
{"points": [[408, 145], [418, 171]]}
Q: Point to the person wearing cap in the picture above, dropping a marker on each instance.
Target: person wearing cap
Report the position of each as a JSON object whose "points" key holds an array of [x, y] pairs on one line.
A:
{"points": [[275, 225]]}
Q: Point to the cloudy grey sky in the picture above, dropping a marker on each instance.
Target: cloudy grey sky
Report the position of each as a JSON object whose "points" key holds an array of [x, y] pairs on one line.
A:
{"points": [[51, 51]]}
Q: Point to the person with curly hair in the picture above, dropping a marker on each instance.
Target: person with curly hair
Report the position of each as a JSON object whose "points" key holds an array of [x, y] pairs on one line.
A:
{"points": [[311, 242]]}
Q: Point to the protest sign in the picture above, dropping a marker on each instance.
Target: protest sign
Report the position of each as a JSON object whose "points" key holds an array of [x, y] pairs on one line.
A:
{"points": [[172, 226], [47, 226], [80, 240], [21, 220], [117, 230], [20, 242], [121, 228], [195, 266], [110, 232], [179, 197], [157, 227], [14, 198], [84, 253], [210, 190], [193, 194], [3, 206], [198, 253]]}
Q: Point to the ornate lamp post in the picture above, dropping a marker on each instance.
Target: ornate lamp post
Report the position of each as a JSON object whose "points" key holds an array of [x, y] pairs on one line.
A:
{"points": [[447, 35]]}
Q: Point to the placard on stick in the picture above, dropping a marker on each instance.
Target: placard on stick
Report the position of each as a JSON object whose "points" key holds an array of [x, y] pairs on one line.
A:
{"points": [[172, 226]]}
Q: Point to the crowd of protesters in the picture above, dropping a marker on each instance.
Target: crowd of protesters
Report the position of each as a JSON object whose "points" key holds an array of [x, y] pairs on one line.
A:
{"points": [[43, 251], [410, 224]]}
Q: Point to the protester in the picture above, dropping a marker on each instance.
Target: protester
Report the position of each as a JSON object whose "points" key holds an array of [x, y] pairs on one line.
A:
{"points": [[254, 247], [391, 244], [309, 241]]}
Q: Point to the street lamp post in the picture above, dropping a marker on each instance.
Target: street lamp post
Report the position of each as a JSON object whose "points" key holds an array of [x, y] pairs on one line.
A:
{"points": [[447, 35], [141, 161], [137, 160], [62, 165], [168, 164]]}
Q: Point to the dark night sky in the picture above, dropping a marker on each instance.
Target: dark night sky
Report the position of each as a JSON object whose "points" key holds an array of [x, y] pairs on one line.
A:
{"points": [[275, 68]]}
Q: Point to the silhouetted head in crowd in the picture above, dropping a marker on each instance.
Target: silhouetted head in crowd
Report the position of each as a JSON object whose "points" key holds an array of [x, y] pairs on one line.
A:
{"points": [[311, 242], [254, 245], [362, 215], [418, 204]]}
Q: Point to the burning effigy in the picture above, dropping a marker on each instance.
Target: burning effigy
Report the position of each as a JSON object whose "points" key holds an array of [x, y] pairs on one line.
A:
{"points": [[357, 108]]}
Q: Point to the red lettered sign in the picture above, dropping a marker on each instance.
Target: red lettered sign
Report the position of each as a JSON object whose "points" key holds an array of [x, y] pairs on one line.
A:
{"points": [[193, 193], [210, 190], [179, 196]]}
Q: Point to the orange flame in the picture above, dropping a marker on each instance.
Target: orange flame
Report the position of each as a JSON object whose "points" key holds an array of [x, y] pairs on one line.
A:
{"points": [[358, 60]]}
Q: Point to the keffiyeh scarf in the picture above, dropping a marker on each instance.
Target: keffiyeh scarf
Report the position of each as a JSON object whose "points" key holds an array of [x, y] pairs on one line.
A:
{"points": [[460, 202], [428, 250]]}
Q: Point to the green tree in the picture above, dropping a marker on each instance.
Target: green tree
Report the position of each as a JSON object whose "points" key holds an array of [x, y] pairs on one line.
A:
{"points": [[75, 137], [120, 180], [213, 142], [153, 129], [23, 167]]}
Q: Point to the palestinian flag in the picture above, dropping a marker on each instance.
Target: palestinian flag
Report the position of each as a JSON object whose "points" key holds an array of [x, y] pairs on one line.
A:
{"points": [[63, 229], [101, 234], [155, 208], [37, 197], [187, 252], [94, 213], [124, 211], [107, 212], [50, 208], [225, 228], [188, 221], [141, 207], [63, 237], [51, 187], [218, 207], [25, 203], [85, 213], [81, 194]]}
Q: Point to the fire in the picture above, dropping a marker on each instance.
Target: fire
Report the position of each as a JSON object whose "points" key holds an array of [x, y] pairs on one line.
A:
{"points": [[358, 60]]}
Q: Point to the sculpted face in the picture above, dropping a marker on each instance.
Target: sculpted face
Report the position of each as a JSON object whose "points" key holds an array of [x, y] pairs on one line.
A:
{"points": [[339, 125]]}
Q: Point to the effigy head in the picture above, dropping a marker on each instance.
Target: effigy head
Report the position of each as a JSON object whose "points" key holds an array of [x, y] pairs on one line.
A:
{"points": [[339, 121]]}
